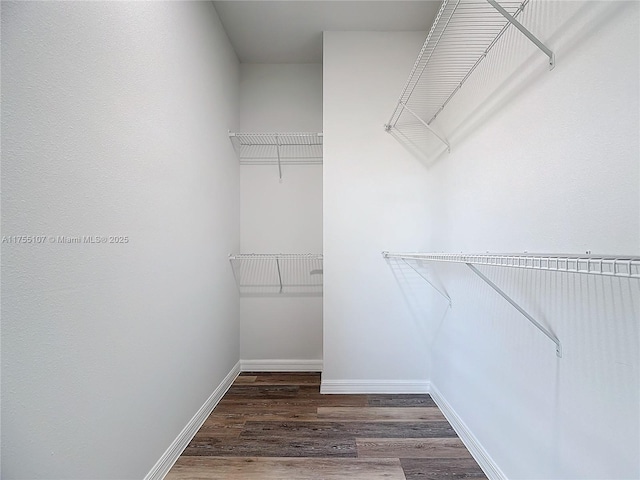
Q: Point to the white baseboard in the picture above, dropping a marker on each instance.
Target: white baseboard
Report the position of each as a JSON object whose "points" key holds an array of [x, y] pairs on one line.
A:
{"points": [[488, 465], [170, 456], [374, 386], [281, 365]]}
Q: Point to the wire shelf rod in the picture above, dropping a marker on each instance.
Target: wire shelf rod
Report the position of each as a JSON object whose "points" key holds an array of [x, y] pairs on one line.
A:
{"points": [[624, 266], [269, 148], [282, 256], [277, 274], [294, 138]]}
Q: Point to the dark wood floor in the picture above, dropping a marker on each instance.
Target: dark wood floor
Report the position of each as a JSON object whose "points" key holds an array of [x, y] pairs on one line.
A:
{"points": [[278, 426]]}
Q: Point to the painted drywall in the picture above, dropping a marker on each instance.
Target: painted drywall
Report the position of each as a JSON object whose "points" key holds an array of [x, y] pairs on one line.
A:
{"points": [[114, 123], [374, 198], [281, 216], [548, 162], [542, 161]]}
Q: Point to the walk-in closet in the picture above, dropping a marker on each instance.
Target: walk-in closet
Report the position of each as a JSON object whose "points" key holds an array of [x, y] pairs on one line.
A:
{"points": [[320, 240]]}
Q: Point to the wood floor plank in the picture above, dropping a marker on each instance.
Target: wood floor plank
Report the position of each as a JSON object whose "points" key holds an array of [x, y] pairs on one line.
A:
{"points": [[326, 429], [307, 399], [202, 468], [222, 425], [263, 391], [382, 414], [397, 400], [441, 469], [242, 379], [272, 446], [250, 410], [411, 448], [300, 414]]}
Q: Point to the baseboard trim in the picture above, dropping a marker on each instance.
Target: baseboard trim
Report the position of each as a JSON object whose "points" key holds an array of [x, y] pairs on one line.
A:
{"points": [[488, 465], [374, 386], [170, 456], [281, 365]]}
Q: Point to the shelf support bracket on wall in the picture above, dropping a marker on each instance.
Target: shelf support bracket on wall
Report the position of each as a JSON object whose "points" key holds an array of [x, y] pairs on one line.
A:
{"points": [[278, 152], [527, 33], [550, 335], [444, 295], [279, 274], [388, 127]]}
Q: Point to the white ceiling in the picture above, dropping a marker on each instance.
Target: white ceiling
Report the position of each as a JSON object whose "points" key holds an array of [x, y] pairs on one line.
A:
{"points": [[276, 31]]}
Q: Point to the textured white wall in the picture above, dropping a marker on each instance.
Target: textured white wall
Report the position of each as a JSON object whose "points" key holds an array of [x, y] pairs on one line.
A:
{"points": [[114, 122], [281, 217], [374, 197]]}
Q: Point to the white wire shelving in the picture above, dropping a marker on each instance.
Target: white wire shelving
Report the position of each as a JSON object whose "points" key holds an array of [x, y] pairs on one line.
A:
{"points": [[622, 266], [610, 265], [299, 148], [262, 274], [463, 33]]}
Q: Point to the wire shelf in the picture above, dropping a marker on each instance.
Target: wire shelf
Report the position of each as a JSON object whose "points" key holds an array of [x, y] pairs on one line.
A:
{"points": [[274, 148], [625, 266], [462, 35], [278, 274]]}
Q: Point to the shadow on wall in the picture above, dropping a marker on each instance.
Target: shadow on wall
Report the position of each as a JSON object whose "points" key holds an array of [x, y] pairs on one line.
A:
{"points": [[424, 296], [510, 68], [278, 276]]}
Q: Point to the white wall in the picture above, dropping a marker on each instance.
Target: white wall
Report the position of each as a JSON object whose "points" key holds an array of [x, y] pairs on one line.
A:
{"points": [[114, 122], [549, 162], [281, 217], [374, 199]]}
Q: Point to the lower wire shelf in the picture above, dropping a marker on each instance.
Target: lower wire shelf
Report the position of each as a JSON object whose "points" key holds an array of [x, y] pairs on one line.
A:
{"points": [[624, 266], [274, 274]]}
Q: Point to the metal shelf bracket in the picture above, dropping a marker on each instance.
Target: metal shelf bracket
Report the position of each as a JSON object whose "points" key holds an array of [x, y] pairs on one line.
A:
{"points": [[550, 335], [279, 164], [279, 274], [526, 33]]}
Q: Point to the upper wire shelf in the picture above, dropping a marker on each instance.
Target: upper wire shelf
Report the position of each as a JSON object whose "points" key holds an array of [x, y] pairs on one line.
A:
{"points": [[260, 274], [463, 33], [300, 148]]}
